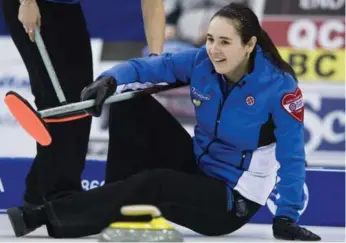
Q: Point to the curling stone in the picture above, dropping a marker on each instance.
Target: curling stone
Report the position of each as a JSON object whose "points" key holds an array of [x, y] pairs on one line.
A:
{"points": [[156, 230]]}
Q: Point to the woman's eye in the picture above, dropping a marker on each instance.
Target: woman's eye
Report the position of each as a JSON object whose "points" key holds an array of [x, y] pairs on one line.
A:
{"points": [[224, 42]]}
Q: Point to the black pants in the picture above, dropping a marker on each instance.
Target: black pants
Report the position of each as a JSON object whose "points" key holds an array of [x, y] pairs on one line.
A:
{"points": [[153, 163], [57, 168]]}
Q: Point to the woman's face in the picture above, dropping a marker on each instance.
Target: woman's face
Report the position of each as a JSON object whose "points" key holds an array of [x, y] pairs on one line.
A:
{"points": [[224, 46]]}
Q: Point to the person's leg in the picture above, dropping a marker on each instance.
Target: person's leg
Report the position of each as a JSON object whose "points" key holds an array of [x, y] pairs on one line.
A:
{"points": [[57, 168], [202, 221], [144, 135], [194, 201]]}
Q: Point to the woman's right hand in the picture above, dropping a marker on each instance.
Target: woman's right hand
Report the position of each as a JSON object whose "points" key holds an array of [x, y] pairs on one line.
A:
{"points": [[29, 15]]}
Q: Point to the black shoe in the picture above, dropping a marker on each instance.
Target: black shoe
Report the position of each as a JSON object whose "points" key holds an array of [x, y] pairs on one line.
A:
{"points": [[30, 205], [286, 229], [16, 216], [25, 219]]}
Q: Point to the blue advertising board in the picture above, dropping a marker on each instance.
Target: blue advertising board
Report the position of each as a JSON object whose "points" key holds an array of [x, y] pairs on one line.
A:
{"points": [[324, 191], [110, 20], [328, 114]]}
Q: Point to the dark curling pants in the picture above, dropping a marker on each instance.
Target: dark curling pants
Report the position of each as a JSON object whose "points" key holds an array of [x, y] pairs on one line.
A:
{"points": [[152, 163], [56, 169]]}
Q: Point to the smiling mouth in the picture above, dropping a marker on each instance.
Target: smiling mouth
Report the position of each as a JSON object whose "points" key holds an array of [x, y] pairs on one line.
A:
{"points": [[219, 60]]}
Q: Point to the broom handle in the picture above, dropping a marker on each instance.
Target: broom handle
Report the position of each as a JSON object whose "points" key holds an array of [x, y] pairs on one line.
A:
{"points": [[78, 106], [82, 105], [49, 66]]}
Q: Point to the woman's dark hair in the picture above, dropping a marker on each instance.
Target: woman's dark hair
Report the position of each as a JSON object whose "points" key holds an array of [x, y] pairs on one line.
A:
{"points": [[248, 26]]}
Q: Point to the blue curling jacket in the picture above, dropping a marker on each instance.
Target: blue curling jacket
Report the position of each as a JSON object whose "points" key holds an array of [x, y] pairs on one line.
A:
{"points": [[244, 134]]}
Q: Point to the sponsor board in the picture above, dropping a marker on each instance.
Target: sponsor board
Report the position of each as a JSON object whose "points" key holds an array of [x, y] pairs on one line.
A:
{"points": [[314, 48], [320, 186], [306, 7], [111, 20], [325, 123], [316, 65], [129, 12], [13, 173], [313, 45], [88, 185], [307, 33], [324, 192], [2, 188]]}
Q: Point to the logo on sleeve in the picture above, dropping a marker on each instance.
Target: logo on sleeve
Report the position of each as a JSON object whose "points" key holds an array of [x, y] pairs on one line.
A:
{"points": [[250, 100], [294, 105], [198, 97]]}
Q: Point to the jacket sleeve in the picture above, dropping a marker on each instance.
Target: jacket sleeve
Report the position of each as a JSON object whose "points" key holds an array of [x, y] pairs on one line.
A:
{"points": [[147, 71], [288, 116]]}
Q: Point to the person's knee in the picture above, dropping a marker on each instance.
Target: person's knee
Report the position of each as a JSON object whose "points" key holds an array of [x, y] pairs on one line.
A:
{"points": [[148, 186], [154, 181], [154, 176]]}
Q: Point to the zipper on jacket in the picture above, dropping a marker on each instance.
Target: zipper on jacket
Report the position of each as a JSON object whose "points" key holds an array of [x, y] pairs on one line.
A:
{"points": [[218, 122], [243, 156], [220, 109]]}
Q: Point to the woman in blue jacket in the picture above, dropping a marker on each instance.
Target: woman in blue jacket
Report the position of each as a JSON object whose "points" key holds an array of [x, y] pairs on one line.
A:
{"points": [[249, 112]]}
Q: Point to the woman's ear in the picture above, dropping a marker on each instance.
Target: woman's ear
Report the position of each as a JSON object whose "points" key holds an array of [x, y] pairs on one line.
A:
{"points": [[251, 44]]}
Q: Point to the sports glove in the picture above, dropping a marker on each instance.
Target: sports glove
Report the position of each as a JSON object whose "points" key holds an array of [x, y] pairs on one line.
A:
{"points": [[99, 90]]}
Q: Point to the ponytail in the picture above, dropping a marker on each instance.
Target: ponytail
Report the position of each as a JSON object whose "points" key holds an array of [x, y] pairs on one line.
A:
{"points": [[272, 52]]}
